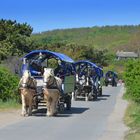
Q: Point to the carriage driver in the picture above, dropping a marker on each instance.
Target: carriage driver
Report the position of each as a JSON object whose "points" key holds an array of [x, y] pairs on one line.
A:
{"points": [[36, 67]]}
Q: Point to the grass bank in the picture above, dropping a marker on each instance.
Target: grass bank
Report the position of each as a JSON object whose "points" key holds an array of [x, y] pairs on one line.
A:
{"points": [[132, 119], [9, 105]]}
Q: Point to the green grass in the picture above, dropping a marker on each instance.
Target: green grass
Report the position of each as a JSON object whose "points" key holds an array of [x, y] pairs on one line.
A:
{"points": [[11, 104], [132, 119]]}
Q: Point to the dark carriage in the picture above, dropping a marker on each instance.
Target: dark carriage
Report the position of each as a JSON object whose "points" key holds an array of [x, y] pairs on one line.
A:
{"points": [[111, 78], [63, 67], [88, 76]]}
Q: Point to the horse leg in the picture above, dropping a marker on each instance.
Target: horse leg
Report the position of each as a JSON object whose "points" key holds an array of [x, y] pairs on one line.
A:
{"points": [[49, 107], [52, 107], [23, 112], [30, 108], [48, 110], [55, 108], [86, 98], [56, 105]]}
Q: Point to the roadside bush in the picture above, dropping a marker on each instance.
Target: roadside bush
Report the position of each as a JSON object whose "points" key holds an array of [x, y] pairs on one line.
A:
{"points": [[132, 79], [8, 85]]}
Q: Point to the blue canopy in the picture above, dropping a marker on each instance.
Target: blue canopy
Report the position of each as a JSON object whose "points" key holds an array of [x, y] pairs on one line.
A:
{"points": [[98, 70], [111, 72], [101, 73], [49, 54], [86, 62]]}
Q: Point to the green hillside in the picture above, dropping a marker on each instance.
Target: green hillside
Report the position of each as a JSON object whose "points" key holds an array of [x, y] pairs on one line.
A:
{"points": [[111, 37], [97, 44]]}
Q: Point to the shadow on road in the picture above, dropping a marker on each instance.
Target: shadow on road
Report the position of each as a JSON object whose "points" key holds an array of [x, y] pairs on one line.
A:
{"points": [[100, 98], [74, 110], [103, 97], [40, 112], [67, 113]]}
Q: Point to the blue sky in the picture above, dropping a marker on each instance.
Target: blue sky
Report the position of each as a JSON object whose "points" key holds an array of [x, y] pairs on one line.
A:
{"points": [[45, 15]]}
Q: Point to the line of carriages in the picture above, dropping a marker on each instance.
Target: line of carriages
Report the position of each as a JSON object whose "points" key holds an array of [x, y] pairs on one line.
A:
{"points": [[79, 79]]}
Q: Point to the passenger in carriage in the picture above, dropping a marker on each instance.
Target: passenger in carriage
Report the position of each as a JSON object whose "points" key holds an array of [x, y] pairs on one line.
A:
{"points": [[59, 70], [35, 70], [35, 67]]}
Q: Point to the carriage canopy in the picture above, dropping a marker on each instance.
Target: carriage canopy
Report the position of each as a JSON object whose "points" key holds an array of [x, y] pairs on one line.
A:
{"points": [[85, 64], [47, 55], [36, 60], [111, 73]]}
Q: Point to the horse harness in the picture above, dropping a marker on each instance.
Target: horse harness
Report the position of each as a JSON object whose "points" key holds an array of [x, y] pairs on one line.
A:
{"points": [[30, 84], [53, 84]]}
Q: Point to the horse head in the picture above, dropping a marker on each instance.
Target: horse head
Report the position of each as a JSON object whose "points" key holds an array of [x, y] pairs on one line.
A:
{"points": [[48, 76], [25, 78]]}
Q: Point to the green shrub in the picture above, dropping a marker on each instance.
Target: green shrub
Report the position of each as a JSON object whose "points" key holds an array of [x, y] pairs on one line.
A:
{"points": [[132, 79], [8, 85]]}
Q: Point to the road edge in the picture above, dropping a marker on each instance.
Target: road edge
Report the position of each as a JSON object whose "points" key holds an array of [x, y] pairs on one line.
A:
{"points": [[10, 117], [116, 128]]}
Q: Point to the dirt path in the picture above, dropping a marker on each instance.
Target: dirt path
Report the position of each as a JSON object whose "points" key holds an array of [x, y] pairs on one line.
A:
{"points": [[116, 128], [9, 117]]}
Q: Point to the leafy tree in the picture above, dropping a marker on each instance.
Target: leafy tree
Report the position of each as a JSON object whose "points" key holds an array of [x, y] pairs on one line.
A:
{"points": [[8, 85], [14, 38]]}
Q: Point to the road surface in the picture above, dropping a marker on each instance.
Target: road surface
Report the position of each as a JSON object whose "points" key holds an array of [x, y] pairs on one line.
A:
{"points": [[85, 121]]}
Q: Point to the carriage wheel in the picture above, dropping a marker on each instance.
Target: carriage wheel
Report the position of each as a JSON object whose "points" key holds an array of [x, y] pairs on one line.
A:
{"points": [[61, 107], [100, 92], [94, 97], [106, 84], [68, 103], [94, 93], [113, 83]]}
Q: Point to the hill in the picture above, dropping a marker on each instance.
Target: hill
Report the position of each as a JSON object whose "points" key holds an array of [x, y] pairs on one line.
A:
{"points": [[113, 38]]}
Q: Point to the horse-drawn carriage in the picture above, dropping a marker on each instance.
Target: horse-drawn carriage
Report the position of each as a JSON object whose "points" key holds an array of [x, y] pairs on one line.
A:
{"points": [[111, 78], [88, 76], [63, 67]]}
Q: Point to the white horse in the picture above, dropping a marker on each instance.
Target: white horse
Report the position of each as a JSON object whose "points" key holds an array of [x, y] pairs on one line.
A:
{"points": [[27, 87], [52, 89]]}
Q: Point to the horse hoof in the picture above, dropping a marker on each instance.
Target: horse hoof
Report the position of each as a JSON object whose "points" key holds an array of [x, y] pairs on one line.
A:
{"points": [[49, 114], [23, 115], [55, 114]]}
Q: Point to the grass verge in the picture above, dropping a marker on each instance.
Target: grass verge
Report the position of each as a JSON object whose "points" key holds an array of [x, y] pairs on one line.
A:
{"points": [[9, 105], [132, 119]]}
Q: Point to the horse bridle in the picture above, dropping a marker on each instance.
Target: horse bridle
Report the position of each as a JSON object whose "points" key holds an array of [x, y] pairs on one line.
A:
{"points": [[27, 85]]}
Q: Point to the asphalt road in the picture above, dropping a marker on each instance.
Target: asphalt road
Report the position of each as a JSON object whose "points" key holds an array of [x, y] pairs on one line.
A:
{"points": [[86, 121]]}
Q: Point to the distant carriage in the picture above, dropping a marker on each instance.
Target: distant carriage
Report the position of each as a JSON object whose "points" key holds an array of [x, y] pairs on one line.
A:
{"points": [[111, 78], [63, 67], [88, 76]]}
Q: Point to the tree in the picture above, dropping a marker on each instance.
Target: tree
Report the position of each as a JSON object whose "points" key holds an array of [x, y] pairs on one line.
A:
{"points": [[14, 38]]}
